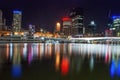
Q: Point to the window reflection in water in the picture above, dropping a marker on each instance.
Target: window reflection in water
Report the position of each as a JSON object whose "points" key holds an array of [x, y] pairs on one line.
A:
{"points": [[65, 66], [91, 63], [115, 68], [11, 50], [69, 58], [41, 49], [57, 56], [57, 61], [30, 53], [7, 51], [16, 67], [24, 55], [48, 50]]}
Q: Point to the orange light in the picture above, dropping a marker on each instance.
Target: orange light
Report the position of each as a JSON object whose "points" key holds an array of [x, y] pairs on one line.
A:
{"points": [[16, 33], [57, 62], [22, 33], [58, 26], [7, 51]]}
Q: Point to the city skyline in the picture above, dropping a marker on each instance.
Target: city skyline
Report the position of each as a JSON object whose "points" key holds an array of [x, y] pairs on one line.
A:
{"points": [[45, 14]]}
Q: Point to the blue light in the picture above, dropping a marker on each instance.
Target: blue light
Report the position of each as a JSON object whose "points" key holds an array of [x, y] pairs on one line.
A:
{"points": [[17, 12], [16, 71], [112, 69], [118, 69], [114, 17]]}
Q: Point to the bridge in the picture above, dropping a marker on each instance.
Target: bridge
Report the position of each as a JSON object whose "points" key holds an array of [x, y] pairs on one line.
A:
{"points": [[82, 39], [90, 39]]}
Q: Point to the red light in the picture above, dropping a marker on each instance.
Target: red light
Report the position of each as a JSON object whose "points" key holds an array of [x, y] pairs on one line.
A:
{"points": [[66, 19], [64, 66], [106, 58]]}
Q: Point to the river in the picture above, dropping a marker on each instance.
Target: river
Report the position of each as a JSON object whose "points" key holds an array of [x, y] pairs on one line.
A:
{"points": [[60, 61]]}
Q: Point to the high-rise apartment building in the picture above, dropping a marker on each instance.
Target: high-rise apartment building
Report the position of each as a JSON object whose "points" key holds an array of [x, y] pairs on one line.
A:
{"points": [[115, 28], [66, 26], [17, 19], [76, 15], [91, 29]]}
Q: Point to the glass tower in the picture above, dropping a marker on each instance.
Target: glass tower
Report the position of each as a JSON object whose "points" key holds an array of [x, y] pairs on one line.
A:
{"points": [[76, 15], [115, 25], [17, 19]]}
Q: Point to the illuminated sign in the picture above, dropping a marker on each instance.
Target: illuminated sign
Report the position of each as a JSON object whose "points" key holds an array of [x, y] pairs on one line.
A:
{"points": [[17, 12], [66, 19]]}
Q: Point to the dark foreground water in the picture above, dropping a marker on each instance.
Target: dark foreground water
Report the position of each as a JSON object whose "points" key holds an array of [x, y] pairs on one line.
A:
{"points": [[39, 61]]}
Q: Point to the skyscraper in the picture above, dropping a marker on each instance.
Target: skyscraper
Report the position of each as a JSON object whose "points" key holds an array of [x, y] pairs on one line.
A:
{"points": [[66, 26], [1, 22], [17, 19], [115, 28], [91, 29], [76, 15]]}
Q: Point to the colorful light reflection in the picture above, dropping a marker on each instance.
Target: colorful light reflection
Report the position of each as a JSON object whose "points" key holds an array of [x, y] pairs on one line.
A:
{"points": [[115, 68], [16, 71], [112, 69], [65, 66], [91, 63], [57, 61], [118, 69]]}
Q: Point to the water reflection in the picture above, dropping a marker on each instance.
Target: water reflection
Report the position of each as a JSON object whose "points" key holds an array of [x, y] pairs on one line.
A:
{"points": [[30, 53], [115, 68], [7, 51], [16, 67], [57, 61], [11, 50], [65, 66], [91, 63], [66, 58], [24, 55]]}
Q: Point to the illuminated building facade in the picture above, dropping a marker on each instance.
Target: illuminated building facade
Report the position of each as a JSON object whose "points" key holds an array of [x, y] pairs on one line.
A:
{"points": [[57, 28], [31, 30], [115, 28], [17, 19], [91, 29], [76, 15], [66, 26]]}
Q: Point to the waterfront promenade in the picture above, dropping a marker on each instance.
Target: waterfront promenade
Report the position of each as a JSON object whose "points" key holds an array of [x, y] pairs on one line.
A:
{"points": [[61, 40]]}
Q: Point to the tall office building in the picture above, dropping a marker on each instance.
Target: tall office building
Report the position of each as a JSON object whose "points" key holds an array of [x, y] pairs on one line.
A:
{"points": [[91, 29], [17, 19], [66, 26], [31, 30], [115, 28], [76, 15], [1, 22]]}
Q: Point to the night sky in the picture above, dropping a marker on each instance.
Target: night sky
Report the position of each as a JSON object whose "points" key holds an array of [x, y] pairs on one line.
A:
{"points": [[45, 13]]}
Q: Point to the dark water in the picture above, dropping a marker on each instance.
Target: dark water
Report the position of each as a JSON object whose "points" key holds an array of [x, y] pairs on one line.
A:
{"points": [[39, 61]]}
